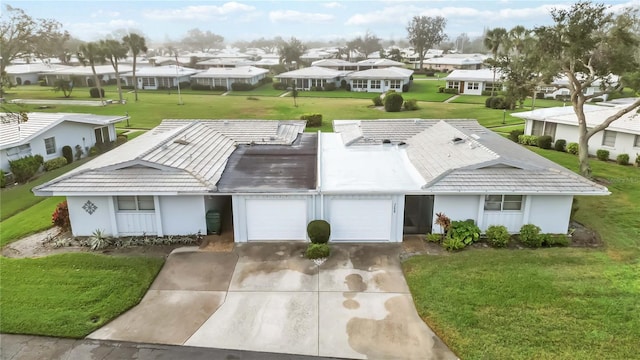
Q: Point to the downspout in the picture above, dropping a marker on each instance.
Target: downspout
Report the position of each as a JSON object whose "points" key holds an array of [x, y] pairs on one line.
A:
{"points": [[319, 175]]}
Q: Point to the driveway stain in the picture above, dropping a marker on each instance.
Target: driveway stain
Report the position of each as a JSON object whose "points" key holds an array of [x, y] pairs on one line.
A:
{"points": [[355, 283], [350, 303], [266, 268]]}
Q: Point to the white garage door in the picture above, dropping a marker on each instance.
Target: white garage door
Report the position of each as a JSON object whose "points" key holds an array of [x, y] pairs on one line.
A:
{"points": [[276, 219], [360, 219]]}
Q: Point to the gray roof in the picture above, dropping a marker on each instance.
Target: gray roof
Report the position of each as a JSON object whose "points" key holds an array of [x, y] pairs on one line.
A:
{"points": [[382, 73], [234, 72], [460, 156], [313, 72], [176, 157]]}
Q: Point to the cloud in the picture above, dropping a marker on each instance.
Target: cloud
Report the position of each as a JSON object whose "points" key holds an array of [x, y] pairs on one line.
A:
{"points": [[91, 31], [332, 5], [199, 12], [298, 16], [104, 14]]}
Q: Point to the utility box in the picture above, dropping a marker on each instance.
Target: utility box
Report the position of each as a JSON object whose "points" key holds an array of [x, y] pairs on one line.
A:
{"points": [[213, 222]]}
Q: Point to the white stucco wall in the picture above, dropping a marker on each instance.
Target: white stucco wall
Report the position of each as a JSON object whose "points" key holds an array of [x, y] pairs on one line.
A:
{"points": [[83, 223], [623, 145], [550, 213], [456, 207], [71, 134], [182, 215]]}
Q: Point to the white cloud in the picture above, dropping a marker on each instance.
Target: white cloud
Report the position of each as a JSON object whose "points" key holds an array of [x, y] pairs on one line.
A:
{"points": [[333, 5], [199, 12], [298, 16], [104, 14], [92, 31]]}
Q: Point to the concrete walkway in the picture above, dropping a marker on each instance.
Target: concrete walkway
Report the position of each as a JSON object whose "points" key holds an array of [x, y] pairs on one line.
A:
{"points": [[63, 102], [27, 347], [451, 98], [266, 297]]}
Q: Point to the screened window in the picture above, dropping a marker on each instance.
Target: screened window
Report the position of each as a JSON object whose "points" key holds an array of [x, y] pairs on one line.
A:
{"points": [[550, 129], [452, 84], [102, 135], [50, 145], [165, 81], [148, 81], [135, 203], [537, 127], [473, 86], [503, 202], [375, 84], [609, 138], [636, 143], [395, 84], [359, 84]]}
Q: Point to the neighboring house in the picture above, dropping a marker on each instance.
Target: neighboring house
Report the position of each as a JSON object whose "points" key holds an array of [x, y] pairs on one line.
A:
{"points": [[46, 133], [160, 77], [378, 64], [474, 82], [454, 62], [83, 75], [28, 74], [373, 180], [559, 90], [216, 77], [336, 64], [224, 63], [312, 77], [381, 80], [621, 137]]}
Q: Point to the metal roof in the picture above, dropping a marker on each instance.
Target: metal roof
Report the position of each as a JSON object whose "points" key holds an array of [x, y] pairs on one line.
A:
{"points": [[382, 73], [313, 72], [14, 133], [474, 75], [166, 70], [272, 168], [236, 72], [33, 68], [86, 70], [379, 62]]}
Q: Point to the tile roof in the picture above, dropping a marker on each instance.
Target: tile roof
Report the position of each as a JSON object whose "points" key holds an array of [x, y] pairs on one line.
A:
{"points": [[237, 72], [166, 70], [313, 72], [474, 75], [382, 73], [86, 70]]}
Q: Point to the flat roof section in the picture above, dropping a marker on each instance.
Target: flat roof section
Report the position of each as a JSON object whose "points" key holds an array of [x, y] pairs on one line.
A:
{"points": [[272, 168]]}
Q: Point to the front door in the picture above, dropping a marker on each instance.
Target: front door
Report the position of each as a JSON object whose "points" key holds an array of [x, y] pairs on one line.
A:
{"points": [[461, 89], [418, 213]]}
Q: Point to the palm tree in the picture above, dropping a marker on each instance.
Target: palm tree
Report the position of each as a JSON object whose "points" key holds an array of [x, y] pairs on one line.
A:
{"points": [[114, 51], [91, 53], [136, 44], [291, 52], [493, 40]]}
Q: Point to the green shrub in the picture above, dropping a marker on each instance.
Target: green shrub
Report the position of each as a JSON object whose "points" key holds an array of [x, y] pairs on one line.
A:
{"points": [[528, 140], [452, 244], [55, 163], [573, 148], [393, 102], [560, 145], [450, 91], [530, 236], [317, 251], [99, 240], [60, 216], [330, 87], [238, 86], [441, 89], [319, 231], [25, 168], [121, 139], [3, 180], [602, 154], [497, 102], [544, 142], [67, 153], [623, 159], [555, 240], [93, 151], [279, 86], [498, 236], [515, 134], [39, 159], [436, 238], [637, 160], [313, 120], [411, 104], [377, 100], [466, 231], [93, 92]]}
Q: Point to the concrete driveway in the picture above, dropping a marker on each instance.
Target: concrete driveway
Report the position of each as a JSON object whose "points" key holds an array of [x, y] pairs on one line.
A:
{"points": [[268, 297]]}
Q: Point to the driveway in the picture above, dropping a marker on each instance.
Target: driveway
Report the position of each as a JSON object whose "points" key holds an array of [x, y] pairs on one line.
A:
{"points": [[268, 297]]}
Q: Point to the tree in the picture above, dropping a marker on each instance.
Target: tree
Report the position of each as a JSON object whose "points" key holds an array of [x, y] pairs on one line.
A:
{"points": [[462, 42], [493, 40], [115, 51], [197, 40], [520, 65], [21, 35], [587, 43], [91, 54], [368, 44], [136, 44], [66, 86], [395, 54], [425, 32], [290, 52]]}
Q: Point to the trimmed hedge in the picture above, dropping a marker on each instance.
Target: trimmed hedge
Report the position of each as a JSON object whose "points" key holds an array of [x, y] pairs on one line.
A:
{"points": [[622, 159], [393, 102], [55, 163], [377, 101], [411, 104], [313, 120], [319, 231], [93, 92], [530, 236], [25, 168], [515, 134], [3, 180], [573, 148], [498, 236], [602, 154], [67, 153], [528, 140], [279, 86], [236, 86], [544, 142], [560, 145], [317, 251]]}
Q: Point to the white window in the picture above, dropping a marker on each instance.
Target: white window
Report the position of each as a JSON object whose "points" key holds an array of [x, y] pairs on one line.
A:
{"points": [[636, 143], [135, 203], [50, 145], [19, 151], [395, 84], [375, 84], [550, 129], [148, 81], [537, 127], [609, 138], [452, 84], [473, 86], [503, 202], [359, 84], [102, 135], [165, 81]]}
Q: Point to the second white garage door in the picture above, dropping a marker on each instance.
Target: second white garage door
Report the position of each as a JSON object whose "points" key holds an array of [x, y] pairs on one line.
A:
{"points": [[358, 219], [276, 219]]}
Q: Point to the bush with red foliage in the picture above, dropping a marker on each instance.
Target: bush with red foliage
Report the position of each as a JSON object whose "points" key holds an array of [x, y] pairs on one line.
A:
{"points": [[60, 216]]}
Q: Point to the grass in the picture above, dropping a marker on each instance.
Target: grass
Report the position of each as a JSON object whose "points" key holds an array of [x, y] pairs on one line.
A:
{"points": [[547, 303], [30, 221], [262, 90], [71, 295]]}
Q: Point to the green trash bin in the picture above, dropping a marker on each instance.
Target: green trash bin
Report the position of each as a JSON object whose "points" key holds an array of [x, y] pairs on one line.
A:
{"points": [[213, 222]]}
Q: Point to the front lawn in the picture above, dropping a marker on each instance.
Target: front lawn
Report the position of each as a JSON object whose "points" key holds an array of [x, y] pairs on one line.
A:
{"points": [[70, 295], [561, 303], [30, 221]]}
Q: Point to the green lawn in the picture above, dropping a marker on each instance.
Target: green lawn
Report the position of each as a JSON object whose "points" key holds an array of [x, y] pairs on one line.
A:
{"points": [[30, 221], [70, 295], [263, 90], [562, 303]]}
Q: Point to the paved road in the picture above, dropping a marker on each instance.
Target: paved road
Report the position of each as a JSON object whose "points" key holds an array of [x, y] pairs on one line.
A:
{"points": [[25, 347]]}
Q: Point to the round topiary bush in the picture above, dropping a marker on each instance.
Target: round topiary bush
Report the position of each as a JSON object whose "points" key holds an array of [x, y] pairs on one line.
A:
{"points": [[393, 102], [317, 251], [560, 145], [530, 236], [498, 236], [319, 231]]}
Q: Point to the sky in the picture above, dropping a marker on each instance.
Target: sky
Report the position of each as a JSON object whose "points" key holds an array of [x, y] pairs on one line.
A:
{"points": [[159, 21]]}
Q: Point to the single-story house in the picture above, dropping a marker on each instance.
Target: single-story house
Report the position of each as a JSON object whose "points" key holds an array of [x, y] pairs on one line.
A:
{"points": [[312, 77], [373, 180], [224, 63], [454, 61], [378, 64], [225, 76], [160, 77], [336, 64], [83, 75], [381, 80], [621, 137], [558, 89], [474, 82], [46, 133], [28, 74]]}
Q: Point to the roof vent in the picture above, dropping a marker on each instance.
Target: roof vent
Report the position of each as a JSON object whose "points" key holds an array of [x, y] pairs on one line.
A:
{"points": [[386, 141], [181, 142], [458, 140], [402, 144]]}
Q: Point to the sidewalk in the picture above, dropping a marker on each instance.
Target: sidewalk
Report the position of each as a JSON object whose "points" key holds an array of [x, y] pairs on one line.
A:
{"points": [[27, 347]]}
